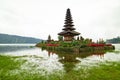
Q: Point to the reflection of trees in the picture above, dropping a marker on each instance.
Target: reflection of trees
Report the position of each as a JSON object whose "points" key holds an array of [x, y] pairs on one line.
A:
{"points": [[69, 59]]}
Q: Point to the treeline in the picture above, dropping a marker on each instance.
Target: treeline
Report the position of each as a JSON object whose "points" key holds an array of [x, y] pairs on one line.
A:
{"points": [[5, 38], [114, 40]]}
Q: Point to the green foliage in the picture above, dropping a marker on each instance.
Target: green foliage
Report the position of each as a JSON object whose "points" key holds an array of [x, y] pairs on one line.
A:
{"points": [[60, 38], [42, 42], [74, 43], [64, 44], [69, 44], [83, 46], [52, 42]]}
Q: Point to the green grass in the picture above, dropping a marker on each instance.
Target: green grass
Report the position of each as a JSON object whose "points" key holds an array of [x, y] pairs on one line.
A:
{"points": [[7, 63], [105, 71], [108, 71]]}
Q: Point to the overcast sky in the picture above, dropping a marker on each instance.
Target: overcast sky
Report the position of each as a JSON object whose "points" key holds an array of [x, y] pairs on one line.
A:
{"points": [[38, 18]]}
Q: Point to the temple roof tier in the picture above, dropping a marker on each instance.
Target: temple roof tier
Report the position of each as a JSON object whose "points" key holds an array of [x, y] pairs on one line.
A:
{"points": [[68, 28], [74, 33]]}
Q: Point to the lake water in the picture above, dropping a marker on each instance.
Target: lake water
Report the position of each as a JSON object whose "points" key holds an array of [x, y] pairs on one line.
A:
{"points": [[49, 61], [14, 47]]}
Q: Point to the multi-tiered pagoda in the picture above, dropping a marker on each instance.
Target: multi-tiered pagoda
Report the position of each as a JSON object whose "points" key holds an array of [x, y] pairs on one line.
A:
{"points": [[68, 31]]}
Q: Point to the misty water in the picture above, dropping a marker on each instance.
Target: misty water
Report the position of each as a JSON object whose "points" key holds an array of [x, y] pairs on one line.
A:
{"points": [[45, 62]]}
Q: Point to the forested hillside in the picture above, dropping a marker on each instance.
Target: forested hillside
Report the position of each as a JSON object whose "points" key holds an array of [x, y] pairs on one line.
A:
{"points": [[5, 38], [114, 40]]}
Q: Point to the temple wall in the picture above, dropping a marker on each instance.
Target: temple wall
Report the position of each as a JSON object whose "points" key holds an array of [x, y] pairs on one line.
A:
{"points": [[68, 38]]}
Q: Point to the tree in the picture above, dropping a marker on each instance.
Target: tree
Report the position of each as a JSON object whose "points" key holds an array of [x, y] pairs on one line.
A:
{"points": [[81, 38], [60, 38]]}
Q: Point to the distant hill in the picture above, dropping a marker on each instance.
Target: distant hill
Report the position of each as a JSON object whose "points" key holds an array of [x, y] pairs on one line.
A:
{"points": [[5, 38], [114, 40]]}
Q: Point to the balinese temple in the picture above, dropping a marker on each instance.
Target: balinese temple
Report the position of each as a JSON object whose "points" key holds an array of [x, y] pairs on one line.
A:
{"points": [[68, 31]]}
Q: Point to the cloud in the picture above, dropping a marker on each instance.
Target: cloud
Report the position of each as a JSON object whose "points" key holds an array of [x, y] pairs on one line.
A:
{"points": [[39, 18]]}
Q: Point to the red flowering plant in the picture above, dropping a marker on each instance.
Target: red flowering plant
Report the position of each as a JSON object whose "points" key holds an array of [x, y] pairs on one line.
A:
{"points": [[98, 45], [52, 44]]}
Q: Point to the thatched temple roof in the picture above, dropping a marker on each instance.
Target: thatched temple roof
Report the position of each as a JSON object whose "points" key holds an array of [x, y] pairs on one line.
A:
{"points": [[68, 29]]}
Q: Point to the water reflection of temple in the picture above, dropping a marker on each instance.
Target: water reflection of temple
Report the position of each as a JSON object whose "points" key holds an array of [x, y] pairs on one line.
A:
{"points": [[69, 60]]}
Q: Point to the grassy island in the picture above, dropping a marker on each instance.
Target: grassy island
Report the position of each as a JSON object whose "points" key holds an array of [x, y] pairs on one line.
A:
{"points": [[75, 46]]}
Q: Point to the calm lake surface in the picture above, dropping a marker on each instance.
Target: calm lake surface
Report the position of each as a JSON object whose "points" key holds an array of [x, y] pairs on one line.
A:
{"points": [[14, 47], [49, 61]]}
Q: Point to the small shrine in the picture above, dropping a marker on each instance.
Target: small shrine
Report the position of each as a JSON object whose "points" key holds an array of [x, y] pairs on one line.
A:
{"points": [[68, 31]]}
